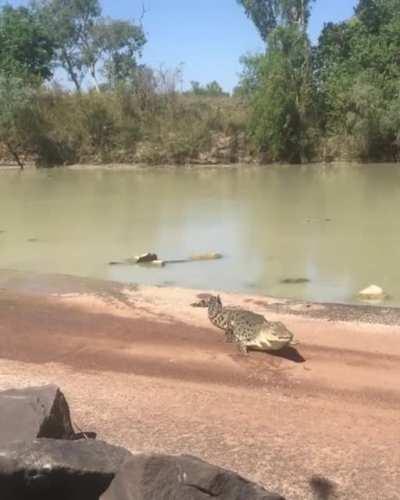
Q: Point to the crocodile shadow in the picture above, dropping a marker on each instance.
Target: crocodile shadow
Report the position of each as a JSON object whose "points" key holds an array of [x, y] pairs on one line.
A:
{"points": [[290, 353]]}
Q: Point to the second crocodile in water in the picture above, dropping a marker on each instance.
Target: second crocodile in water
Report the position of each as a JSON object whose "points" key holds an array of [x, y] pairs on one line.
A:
{"points": [[248, 329]]}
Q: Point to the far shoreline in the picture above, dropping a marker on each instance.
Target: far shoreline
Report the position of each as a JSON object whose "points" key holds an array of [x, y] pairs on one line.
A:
{"points": [[195, 165]]}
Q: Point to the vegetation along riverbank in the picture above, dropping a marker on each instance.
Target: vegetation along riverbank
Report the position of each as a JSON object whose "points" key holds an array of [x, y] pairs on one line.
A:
{"points": [[296, 102]]}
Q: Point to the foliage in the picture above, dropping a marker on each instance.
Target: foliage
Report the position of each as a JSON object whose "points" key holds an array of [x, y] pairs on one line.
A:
{"points": [[279, 84], [212, 89], [337, 100], [117, 43], [17, 115], [150, 122], [283, 113], [267, 15], [85, 40], [26, 50], [358, 73]]}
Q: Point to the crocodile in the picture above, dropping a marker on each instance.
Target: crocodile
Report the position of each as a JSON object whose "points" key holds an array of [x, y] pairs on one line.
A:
{"points": [[247, 329]]}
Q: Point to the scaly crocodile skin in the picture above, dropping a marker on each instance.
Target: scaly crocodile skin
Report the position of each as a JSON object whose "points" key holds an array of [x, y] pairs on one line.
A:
{"points": [[248, 329]]}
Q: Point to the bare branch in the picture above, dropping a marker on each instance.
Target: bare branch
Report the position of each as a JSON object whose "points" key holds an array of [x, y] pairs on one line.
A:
{"points": [[144, 12]]}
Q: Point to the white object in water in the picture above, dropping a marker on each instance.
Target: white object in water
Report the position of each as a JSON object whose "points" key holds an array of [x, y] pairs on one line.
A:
{"points": [[372, 292]]}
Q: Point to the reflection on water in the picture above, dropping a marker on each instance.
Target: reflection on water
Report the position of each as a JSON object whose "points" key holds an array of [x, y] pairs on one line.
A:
{"points": [[338, 227]]}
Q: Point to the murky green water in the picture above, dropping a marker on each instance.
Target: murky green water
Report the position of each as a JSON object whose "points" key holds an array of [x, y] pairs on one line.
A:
{"points": [[339, 227]]}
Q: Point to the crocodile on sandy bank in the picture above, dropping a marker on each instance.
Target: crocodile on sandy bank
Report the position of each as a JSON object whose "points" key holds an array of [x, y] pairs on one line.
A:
{"points": [[248, 329]]}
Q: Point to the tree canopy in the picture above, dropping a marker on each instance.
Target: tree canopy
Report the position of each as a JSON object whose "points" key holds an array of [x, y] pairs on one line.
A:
{"points": [[26, 49], [267, 15], [85, 40], [338, 97], [279, 83]]}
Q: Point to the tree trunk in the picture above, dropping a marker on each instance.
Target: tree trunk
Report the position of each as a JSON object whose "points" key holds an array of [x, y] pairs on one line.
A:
{"points": [[15, 155], [93, 75], [71, 73]]}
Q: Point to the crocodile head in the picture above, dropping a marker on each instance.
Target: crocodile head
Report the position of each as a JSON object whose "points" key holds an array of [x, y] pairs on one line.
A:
{"points": [[214, 306], [281, 332], [281, 336], [273, 337], [215, 301]]}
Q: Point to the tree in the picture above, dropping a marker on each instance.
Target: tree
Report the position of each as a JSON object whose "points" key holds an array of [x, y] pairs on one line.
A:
{"points": [[357, 66], [16, 103], [212, 89], [280, 83], [85, 40], [25, 48], [26, 53], [267, 15], [282, 99], [69, 23], [117, 43]]}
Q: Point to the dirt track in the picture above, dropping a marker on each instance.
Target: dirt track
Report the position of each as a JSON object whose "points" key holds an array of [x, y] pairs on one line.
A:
{"points": [[149, 372]]}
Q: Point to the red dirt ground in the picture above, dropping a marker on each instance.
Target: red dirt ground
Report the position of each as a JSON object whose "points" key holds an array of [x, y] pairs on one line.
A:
{"points": [[151, 373]]}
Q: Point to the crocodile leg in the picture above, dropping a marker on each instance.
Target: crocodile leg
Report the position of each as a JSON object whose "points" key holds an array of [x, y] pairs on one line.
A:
{"points": [[242, 346], [239, 340], [229, 337]]}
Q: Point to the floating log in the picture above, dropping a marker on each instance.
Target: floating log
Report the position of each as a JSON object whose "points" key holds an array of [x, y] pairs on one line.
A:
{"points": [[151, 259], [206, 256]]}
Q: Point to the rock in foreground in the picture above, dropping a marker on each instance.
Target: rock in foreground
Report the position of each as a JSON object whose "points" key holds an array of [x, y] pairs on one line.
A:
{"points": [[48, 469], [162, 477], [35, 412], [58, 467]]}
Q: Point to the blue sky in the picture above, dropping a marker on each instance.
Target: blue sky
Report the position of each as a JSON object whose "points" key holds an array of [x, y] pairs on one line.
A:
{"points": [[206, 36]]}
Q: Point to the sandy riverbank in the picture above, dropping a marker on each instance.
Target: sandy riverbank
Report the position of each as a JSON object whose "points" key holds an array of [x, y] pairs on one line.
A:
{"points": [[144, 369]]}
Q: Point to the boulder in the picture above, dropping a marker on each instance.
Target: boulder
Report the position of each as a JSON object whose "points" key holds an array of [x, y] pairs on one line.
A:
{"points": [[162, 477], [47, 469], [34, 412], [372, 292]]}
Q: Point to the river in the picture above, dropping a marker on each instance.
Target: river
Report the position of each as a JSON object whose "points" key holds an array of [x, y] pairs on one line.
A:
{"points": [[336, 226]]}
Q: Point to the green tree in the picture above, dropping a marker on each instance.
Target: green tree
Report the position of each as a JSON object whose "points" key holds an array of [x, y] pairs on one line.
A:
{"points": [[16, 104], [358, 69], [85, 40], [283, 116], [26, 53], [267, 15], [212, 89], [117, 44], [279, 84], [26, 50], [69, 22]]}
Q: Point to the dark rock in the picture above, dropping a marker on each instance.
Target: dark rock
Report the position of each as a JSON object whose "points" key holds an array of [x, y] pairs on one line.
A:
{"points": [[84, 435], [162, 477], [48, 469], [35, 412]]}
